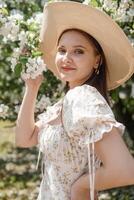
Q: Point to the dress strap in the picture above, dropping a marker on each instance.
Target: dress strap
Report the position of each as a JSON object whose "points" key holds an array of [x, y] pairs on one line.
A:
{"points": [[91, 165], [38, 159], [42, 163]]}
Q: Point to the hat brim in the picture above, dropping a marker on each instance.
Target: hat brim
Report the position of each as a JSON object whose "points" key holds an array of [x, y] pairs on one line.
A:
{"points": [[59, 16]]}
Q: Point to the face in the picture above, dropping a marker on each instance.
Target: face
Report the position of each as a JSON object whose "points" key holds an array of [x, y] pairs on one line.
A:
{"points": [[75, 58]]}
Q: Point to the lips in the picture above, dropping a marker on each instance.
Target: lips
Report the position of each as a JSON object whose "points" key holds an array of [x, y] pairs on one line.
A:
{"points": [[67, 68]]}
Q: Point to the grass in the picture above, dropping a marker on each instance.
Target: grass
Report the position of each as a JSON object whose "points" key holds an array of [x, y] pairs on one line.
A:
{"points": [[19, 179], [6, 131], [7, 136]]}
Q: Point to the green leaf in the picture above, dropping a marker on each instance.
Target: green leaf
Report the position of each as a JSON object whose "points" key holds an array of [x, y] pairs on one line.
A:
{"points": [[36, 53], [18, 69], [3, 11], [23, 60], [1, 38], [33, 27], [94, 3]]}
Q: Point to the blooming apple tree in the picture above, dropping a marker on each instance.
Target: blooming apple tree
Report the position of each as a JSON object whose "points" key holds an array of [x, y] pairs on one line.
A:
{"points": [[20, 22]]}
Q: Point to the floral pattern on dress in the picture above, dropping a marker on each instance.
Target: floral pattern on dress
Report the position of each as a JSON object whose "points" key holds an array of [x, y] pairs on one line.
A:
{"points": [[67, 128]]}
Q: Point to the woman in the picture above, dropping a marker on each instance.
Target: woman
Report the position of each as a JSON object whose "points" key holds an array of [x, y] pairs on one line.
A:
{"points": [[79, 137]]}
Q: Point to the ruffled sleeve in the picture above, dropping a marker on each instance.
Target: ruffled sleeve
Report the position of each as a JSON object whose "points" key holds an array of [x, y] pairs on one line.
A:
{"points": [[87, 117], [50, 114], [87, 114]]}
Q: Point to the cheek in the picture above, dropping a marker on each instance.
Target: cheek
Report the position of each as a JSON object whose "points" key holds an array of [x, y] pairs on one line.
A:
{"points": [[85, 67], [89, 61], [57, 59], [85, 64]]}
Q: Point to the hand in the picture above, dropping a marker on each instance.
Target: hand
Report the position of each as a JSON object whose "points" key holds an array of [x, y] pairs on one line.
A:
{"points": [[33, 83]]}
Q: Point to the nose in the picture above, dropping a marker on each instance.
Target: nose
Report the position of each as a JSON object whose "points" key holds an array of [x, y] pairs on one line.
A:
{"points": [[67, 58]]}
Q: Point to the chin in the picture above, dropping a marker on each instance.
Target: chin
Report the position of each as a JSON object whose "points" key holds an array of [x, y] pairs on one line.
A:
{"points": [[65, 78]]}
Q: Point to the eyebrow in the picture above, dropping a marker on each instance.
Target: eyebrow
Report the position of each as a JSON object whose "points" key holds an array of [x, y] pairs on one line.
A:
{"points": [[75, 46]]}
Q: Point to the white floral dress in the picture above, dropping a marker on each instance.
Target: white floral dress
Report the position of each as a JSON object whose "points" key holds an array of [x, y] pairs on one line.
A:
{"points": [[68, 132]]}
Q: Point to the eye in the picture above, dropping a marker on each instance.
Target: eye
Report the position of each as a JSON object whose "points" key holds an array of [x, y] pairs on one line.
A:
{"points": [[79, 51], [61, 50]]}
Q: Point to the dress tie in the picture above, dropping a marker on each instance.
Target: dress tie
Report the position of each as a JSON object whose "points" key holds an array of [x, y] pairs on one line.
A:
{"points": [[91, 165]]}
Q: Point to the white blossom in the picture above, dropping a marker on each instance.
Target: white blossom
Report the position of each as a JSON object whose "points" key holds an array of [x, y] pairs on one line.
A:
{"points": [[25, 76], [2, 4], [16, 14], [26, 1], [130, 12], [43, 103], [61, 87], [13, 33], [125, 1], [2, 19], [86, 2], [23, 39], [34, 67], [13, 63], [38, 18], [131, 40], [3, 111], [104, 196], [109, 5], [121, 15], [16, 53], [43, 2], [10, 30], [17, 108], [122, 95], [132, 90], [125, 12], [15, 57], [31, 20], [124, 4]]}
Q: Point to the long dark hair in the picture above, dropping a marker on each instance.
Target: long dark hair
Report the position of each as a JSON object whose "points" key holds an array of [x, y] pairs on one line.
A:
{"points": [[98, 79]]}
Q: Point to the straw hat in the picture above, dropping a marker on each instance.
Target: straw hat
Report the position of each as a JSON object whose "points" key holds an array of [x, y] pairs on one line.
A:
{"points": [[59, 16]]}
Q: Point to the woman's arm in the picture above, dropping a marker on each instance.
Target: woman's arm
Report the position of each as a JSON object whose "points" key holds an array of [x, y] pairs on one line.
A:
{"points": [[26, 129], [118, 168]]}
